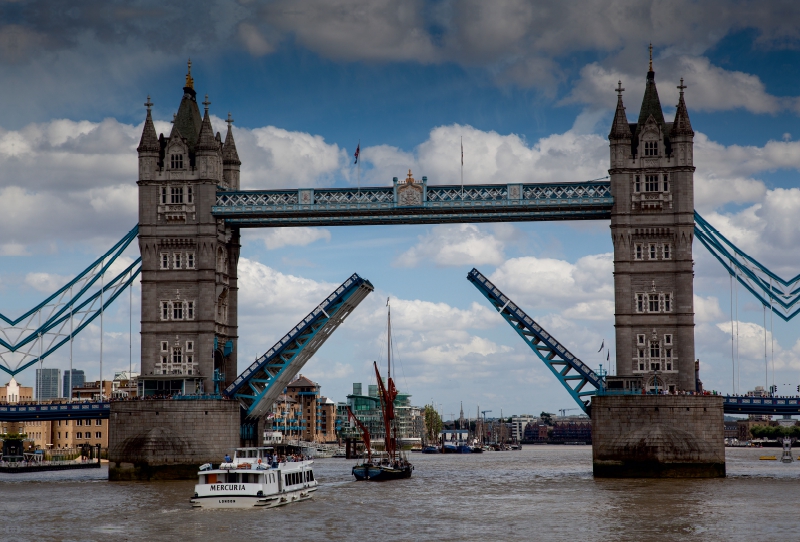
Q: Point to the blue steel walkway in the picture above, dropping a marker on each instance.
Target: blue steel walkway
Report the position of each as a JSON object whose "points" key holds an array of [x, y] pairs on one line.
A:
{"points": [[416, 203]]}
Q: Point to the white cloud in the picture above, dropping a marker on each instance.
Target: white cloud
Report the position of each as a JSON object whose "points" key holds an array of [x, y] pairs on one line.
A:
{"points": [[453, 245], [47, 283], [301, 236], [706, 309], [752, 344]]}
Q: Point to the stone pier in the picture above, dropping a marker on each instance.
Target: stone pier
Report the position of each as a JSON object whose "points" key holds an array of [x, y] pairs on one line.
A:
{"points": [[169, 440], [658, 436]]}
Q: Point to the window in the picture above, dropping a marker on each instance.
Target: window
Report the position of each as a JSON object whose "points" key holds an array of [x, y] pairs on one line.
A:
{"points": [[164, 346], [176, 194], [638, 253], [637, 184], [189, 195], [190, 260], [177, 311], [655, 350], [667, 302], [655, 366], [652, 305], [667, 339], [78, 422], [87, 435], [653, 251], [640, 339], [164, 260], [176, 259], [651, 183], [164, 359], [98, 422], [667, 251], [79, 434], [176, 161], [651, 148], [666, 182], [177, 355], [639, 302], [163, 195], [190, 344], [190, 310], [165, 310]]}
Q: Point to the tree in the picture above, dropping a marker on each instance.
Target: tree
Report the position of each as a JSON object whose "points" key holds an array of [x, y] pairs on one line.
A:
{"points": [[547, 417], [433, 423]]}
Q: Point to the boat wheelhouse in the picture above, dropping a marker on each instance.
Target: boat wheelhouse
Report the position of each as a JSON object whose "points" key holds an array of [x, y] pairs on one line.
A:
{"points": [[255, 477]]}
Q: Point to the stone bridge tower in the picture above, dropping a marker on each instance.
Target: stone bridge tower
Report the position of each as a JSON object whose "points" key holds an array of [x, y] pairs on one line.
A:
{"points": [[189, 290], [652, 228]]}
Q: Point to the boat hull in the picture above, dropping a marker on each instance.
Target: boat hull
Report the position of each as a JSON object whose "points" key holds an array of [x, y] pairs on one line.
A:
{"points": [[252, 501], [380, 473]]}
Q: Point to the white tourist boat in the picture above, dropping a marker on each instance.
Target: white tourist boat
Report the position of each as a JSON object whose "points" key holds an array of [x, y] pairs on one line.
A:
{"points": [[254, 478]]}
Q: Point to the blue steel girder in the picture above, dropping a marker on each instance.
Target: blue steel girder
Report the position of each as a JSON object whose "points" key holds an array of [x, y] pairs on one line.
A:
{"points": [[259, 386], [416, 203], [780, 295], [573, 374], [48, 326], [762, 405], [60, 411]]}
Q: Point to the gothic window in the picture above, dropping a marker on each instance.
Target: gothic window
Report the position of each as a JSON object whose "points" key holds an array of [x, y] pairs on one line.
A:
{"points": [[639, 302], [177, 355], [189, 195], [655, 350], [666, 182], [176, 161], [176, 260], [190, 260], [165, 260], [651, 148], [164, 346], [652, 303], [176, 194], [163, 195], [667, 339], [165, 310], [163, 360], [667, 251], [651, 183], [190, 346], [653, 251], [638, 252], [667, 302], [637, 184], [177, 311], [640, 339], [190, 310]]}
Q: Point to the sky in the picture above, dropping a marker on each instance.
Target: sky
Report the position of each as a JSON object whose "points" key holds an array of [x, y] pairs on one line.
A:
{"points": [[528, 85]]}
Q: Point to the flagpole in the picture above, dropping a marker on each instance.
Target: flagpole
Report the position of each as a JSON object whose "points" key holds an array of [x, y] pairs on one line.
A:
{"points": [[359, 169], [462, 168]]}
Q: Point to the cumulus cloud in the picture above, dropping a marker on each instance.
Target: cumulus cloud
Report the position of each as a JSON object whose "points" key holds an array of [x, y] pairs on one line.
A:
{"points": [[453, 245], [706, 309], [46, 282], [280, 237], [751, 345]]}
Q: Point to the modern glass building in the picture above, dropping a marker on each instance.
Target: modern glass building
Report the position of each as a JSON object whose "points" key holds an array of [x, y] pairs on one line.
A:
{"points": [[48, 382], [78, 380]]}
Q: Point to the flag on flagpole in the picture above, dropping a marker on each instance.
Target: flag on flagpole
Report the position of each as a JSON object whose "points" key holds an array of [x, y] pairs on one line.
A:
{"points": [[608, 356], [602, 346], [462, 150], [358, 151]]}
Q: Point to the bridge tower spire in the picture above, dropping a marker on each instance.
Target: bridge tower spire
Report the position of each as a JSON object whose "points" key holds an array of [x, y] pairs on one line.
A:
{"points": [[652, 228], [189, 279]]}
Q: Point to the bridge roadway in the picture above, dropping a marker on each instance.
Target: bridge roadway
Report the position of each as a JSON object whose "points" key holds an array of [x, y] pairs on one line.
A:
{"points": [[416, 202], [774, 406]]}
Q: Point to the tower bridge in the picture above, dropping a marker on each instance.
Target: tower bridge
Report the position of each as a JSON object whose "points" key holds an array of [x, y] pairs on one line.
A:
{"points": [[191, 211]]}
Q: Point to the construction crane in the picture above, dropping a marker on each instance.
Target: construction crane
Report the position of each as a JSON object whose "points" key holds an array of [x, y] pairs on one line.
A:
{"points": [[563, 411]]}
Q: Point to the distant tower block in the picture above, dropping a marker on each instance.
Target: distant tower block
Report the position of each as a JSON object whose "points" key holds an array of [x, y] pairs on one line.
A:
{"points": [[652, 228], [189, 279]]}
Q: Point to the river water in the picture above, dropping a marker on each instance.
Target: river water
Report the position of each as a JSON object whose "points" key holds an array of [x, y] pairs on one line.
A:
{"points": [[540, 492]]}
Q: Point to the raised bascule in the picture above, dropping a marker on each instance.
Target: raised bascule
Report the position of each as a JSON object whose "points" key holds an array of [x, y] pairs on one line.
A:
{"points": [[191, 210]]}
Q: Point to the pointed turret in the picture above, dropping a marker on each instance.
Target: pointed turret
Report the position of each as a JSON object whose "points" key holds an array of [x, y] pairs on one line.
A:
{"points": [[149, 141], [230, 158], [651, 105], [682, 125], [620, 129], [205, 140], [187, 120]]}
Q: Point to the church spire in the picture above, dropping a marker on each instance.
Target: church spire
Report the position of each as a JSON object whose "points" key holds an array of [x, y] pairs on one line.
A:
{"points": [[149, 141], [681, 125], [620, 129]]}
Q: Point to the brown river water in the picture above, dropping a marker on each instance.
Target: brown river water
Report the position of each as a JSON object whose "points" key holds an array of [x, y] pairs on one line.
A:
{"points": [[538, 493]]}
